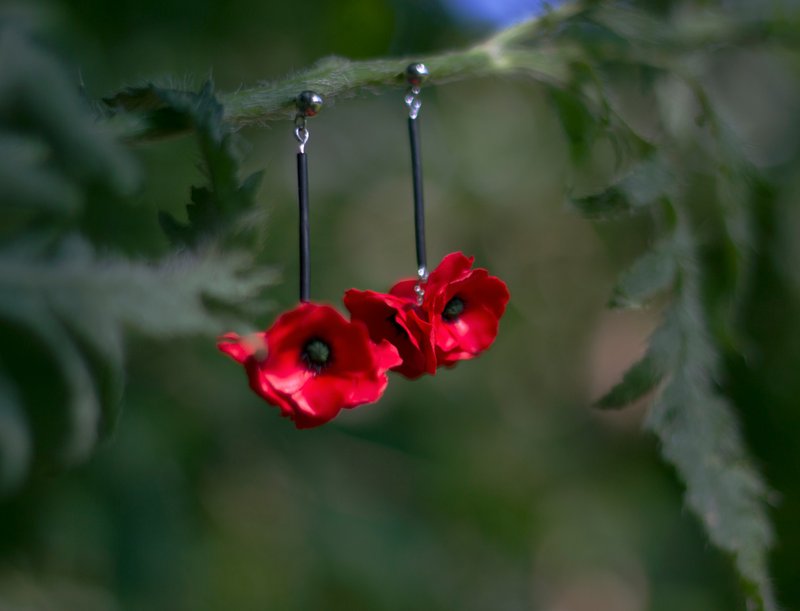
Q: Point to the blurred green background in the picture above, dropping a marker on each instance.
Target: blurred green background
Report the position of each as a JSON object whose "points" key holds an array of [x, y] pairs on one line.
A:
{"points": [[491, 486]]}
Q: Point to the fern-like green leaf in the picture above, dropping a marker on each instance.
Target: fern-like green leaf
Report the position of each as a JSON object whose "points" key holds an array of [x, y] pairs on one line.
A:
{"points": [[707, 207], [15, 438], [216, 207], [76, 307], [65, 308], [649, 276], [698, 427], [639, 380], [35, 93], [646, 183], [700, 436], [581, 126], [611, 203]]}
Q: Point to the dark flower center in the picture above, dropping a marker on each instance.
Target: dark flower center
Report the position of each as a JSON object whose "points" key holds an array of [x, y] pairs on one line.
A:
{"points": [[453, 309], [316, 354]]}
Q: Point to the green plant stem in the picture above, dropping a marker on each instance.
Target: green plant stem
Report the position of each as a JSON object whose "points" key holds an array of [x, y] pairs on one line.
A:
{"points": [[336, 77], [508, 51], [526, 48]]}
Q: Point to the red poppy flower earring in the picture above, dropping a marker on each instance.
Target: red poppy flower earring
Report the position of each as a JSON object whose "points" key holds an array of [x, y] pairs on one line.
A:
{"points": [[312, 362], [449, 315]]}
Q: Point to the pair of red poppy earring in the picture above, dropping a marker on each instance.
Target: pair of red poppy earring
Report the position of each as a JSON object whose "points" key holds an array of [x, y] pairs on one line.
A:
{"points": [[312, 362]]}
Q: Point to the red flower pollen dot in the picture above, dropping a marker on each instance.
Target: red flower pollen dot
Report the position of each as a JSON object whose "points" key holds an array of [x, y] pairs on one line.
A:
{"points": [[312, 362]]}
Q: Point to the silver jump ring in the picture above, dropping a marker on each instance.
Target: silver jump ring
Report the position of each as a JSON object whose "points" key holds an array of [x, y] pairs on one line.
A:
{"points": [[419, 289], [420, 293], [301, 132], [413, 102]]}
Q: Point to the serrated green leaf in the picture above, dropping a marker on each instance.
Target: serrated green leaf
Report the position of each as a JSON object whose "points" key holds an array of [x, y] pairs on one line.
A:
{"points": [[633, 24], [214, 209], [649, 182], [15, 440], [100, 342], [650, 275], [29, 184], [78, 306], [35, 92], [700, 436], [645, 375], [579, 123], [112, 293], [695, 424], [639, 380], [157, 116], [81, 405], [54, 154], [52, 148], [609, 204], [646, 183]]}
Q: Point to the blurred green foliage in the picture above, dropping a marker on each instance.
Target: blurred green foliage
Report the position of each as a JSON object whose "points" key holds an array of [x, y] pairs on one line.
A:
{"points": [[491, 486]]}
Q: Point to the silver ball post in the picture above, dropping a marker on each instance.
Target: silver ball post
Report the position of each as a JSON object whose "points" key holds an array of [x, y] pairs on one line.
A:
{"points": [[417, 74], [309, 103]]}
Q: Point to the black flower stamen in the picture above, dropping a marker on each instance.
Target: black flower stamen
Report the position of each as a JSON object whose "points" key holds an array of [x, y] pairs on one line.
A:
{"points": [[453, 309], [316, 354]]}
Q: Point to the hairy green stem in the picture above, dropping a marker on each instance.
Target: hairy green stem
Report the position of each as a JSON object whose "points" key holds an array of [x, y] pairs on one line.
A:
{"points": [[340, 78], [526, 48]]}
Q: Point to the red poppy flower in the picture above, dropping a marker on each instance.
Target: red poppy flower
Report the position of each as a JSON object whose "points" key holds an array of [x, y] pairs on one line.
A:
{"points": [[458, 317], [311, 363], [464, 305], [399, 321]]}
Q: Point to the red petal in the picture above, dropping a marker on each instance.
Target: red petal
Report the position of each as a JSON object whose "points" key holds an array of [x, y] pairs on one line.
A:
{"points": [[351, 350], [285, 379], [466, 337], [319, 401], [365, 390], [265, 390], [386, 356], [232, 345], [454, 267], [479, 288], [293, 328], [427, 348], [395, 320], [383, 315], [405, 290]]}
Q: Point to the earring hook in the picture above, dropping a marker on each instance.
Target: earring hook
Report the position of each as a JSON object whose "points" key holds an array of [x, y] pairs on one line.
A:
{"points": [[308, 104], [416, 75]]}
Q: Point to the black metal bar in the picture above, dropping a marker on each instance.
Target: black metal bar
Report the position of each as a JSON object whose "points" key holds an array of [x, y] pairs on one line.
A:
{"points": [[419, 203], [302, 192]]}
